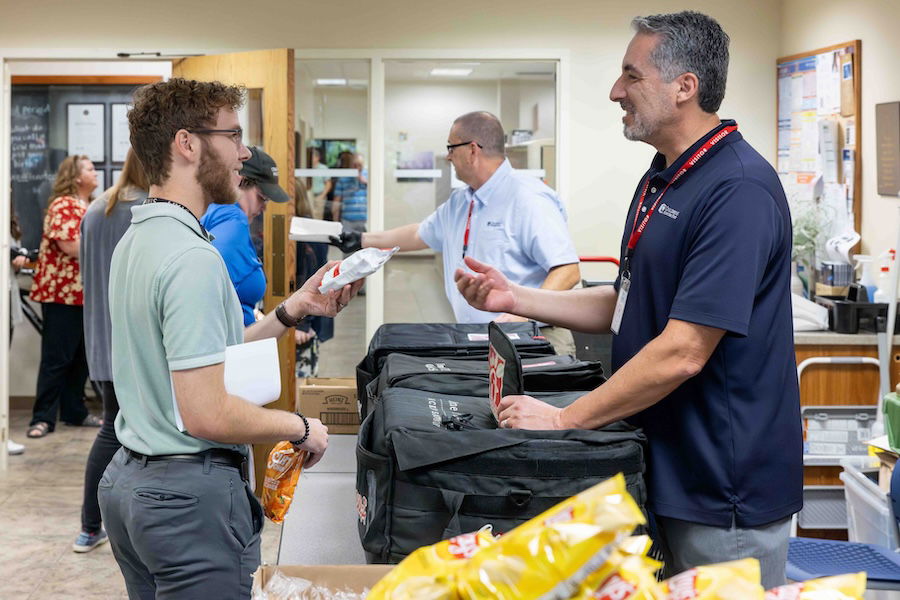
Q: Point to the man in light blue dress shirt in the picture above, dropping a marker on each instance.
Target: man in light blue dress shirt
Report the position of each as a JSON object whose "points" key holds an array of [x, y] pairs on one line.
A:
{"points": [[505, 218]]}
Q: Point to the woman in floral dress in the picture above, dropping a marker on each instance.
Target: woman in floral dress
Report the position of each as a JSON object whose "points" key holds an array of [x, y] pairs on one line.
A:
{"points": [[57, 286]]}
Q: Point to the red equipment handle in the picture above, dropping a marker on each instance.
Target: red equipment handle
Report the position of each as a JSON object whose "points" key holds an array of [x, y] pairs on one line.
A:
{"points": [[609, 259]]}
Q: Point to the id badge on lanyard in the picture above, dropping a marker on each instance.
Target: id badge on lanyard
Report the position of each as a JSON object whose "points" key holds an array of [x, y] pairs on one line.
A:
{"points": [[624, 286]]}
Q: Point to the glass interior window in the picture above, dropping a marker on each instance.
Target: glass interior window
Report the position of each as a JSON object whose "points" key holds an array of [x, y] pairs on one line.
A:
{"points": [[422, 98], [332, 140]]}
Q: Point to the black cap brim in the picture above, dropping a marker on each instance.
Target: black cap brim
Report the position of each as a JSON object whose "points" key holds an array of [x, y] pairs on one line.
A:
{"points": [[273, 192]]}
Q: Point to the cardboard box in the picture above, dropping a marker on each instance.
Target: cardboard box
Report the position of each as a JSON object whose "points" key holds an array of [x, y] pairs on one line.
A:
{"points": [[331, 400], [355, 578]]}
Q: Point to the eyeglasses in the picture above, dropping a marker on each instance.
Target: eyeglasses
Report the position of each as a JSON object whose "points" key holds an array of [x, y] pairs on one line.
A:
{"points": [[450, 147], [235, 135]]}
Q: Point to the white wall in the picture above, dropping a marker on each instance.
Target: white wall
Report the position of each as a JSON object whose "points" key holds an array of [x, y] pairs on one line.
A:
{"points": [[341, 113], [423, 111], [604, 167], [807, 25]]}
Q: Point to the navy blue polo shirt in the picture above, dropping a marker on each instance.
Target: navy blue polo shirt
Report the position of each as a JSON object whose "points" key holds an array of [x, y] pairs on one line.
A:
{"points": [[725, 446]]}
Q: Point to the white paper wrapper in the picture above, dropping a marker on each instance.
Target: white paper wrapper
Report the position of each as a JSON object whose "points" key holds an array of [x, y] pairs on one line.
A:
{"points": [[361, 263], [313, 230]]}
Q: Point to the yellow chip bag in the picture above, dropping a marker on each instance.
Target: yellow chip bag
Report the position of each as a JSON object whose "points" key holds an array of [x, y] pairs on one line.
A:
{"points": [[553, 553], [623, 577], [429, 573], [735, 580], [282, 472], [636, 544], [839, 587]]}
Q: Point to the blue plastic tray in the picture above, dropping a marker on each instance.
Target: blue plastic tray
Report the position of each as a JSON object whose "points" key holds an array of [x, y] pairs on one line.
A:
{"points": [[809, 558]]}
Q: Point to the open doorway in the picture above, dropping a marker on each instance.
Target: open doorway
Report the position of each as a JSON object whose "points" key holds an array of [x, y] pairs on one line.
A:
{"points": [[56, 109]]}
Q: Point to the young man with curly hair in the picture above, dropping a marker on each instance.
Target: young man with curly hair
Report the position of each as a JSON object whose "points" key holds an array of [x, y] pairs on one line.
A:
{"points": [[181, 518]]}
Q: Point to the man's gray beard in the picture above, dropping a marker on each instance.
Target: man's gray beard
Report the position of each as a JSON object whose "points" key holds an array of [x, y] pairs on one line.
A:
{"points": [[635, 132]]}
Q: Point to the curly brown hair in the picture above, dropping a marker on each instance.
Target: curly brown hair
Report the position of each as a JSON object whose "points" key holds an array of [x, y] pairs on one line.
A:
{"points": [[68, 171], [162, 109]]}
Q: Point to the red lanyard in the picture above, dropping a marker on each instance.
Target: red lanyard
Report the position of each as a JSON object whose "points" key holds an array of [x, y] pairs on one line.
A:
{"points": [[637, 230], [468, 227]]}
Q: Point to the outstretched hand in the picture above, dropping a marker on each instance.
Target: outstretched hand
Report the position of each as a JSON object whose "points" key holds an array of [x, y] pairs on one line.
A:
{"points": [[487, 288], [325, 305]]}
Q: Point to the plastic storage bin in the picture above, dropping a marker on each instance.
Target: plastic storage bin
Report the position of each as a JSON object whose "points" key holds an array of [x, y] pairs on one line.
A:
{"points": [[824, 507], [837, 431], [870, 518]]}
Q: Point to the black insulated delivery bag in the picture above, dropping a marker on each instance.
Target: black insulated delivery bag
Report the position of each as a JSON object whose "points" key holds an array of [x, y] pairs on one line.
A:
{"points": [[433, 465], [450, 340], [470, 377]]}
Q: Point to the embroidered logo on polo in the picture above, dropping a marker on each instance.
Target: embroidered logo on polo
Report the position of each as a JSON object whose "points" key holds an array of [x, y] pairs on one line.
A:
{"points": [[665, 209], [494, 223]]}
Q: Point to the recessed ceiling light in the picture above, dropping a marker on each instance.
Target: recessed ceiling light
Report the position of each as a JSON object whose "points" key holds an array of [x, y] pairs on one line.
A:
{"points": [[450, 72], [335, 81]]}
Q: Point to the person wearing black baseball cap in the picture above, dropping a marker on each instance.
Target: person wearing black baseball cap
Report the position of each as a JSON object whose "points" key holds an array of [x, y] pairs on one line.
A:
{"points": [[230, 225]]}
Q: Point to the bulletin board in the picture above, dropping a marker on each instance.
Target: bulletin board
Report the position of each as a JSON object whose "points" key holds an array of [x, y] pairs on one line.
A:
{"points": [[819, 134]]}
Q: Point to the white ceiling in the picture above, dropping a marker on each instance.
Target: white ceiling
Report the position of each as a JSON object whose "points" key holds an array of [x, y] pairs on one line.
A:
{"points": [[420, 70]]}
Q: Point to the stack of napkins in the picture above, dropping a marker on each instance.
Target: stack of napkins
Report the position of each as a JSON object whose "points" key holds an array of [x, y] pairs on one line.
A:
{"points": [[313, 230]]}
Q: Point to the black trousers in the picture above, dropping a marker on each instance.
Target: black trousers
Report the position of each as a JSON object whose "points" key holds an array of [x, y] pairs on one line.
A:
{"points": [[64, 370], [106, 444]]}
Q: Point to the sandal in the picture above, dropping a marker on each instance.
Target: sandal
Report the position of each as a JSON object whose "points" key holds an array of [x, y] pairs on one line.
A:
{"points": [[38, 430], [92, 421]]}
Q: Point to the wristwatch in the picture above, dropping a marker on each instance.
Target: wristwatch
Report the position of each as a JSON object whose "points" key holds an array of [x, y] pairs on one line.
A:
{"points": [[305, 434], [287, 320]]}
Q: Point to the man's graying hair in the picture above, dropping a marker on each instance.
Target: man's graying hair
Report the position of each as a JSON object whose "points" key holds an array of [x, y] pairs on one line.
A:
{"points": [[691, 43], [484, 128]]}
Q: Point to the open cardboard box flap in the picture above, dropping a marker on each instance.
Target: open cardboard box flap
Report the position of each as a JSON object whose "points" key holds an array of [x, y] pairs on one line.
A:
{"points": [[355, 578]]}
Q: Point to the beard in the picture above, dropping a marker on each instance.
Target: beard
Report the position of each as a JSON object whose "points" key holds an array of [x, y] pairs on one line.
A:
{"points": [[214, 178], [643, 126]]}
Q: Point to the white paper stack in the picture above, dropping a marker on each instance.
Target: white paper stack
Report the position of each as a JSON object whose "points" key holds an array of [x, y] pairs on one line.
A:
{"points": [[313, 230], [251, 372]]}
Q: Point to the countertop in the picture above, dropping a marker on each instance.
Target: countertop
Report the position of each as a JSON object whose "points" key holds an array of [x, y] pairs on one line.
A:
{"points": [[830, 338]]}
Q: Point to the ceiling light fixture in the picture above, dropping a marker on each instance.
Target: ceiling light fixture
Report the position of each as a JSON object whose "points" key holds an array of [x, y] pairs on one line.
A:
{"points": [[450, 72], [333, 81]]}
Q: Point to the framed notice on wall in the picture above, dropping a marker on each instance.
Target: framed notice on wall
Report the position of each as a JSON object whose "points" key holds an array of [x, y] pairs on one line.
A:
{"points": [[120, 135], [86, 130], [887, 147]]}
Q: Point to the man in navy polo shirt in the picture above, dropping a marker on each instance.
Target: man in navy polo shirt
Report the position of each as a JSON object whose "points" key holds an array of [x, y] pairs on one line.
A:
{"points": [[703, 352]]}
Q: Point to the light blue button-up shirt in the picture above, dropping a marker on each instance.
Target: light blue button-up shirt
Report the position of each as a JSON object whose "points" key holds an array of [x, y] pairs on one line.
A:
{"points": [[518, 226]]}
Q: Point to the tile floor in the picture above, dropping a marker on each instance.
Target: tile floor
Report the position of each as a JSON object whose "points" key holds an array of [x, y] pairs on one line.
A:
{"points": [[40, 493], [40, 516]]}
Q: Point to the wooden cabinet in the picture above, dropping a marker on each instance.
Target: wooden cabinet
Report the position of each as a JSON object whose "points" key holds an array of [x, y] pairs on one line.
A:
{"points": [[832, 384]]}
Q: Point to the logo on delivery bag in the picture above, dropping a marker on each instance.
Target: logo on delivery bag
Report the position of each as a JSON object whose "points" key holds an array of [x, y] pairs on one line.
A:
{"points": [[496, 365]]}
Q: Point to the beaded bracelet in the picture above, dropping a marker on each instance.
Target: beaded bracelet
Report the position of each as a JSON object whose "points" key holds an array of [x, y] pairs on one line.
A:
{"points": [[306, 434]]}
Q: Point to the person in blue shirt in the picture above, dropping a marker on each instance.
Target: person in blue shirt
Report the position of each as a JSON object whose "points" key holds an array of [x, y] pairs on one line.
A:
{"points": [[703, 355], [230, 226], [509, 219], [351, 195]]}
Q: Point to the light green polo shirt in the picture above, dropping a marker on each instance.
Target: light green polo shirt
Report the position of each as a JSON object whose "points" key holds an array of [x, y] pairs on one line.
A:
{"points": [[172, 307]]}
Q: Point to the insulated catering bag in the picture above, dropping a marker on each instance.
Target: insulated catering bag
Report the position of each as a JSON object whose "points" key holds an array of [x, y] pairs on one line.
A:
{"points": [[434, 465], [470, 377], [449, 340]]}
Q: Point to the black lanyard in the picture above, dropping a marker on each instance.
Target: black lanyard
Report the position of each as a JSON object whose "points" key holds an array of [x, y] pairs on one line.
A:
{"points": [[152, 200]]}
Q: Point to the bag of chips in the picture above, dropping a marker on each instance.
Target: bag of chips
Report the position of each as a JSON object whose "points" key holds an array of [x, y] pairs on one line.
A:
{"points": [[361, 263], [735, 580], [283, 469], [838, 587], [624, 577], [552, 554], [429, 573]]}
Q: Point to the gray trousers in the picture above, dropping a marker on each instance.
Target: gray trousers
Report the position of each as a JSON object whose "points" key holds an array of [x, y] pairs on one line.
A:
{"points": [[181, 529], [687, 545]]}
